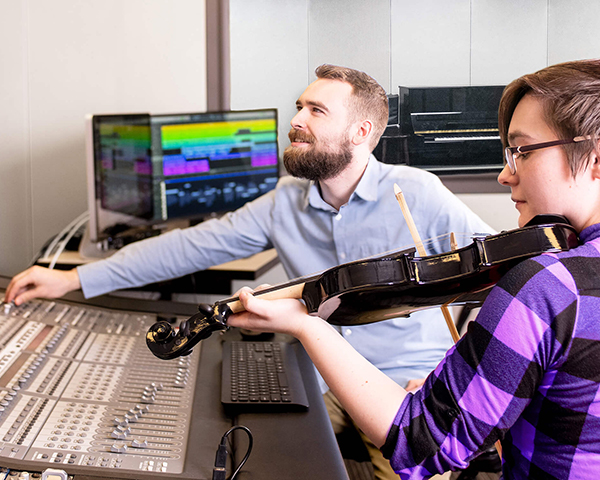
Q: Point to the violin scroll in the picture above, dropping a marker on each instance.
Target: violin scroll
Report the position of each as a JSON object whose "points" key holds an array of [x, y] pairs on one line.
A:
{"points": [[167, 343]]}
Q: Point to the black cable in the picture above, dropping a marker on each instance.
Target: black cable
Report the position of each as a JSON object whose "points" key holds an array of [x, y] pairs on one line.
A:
{"points": [[221, 456]]}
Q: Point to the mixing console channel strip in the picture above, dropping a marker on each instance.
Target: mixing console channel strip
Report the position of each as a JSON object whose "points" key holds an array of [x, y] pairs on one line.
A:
{"points": [[79, 387]]}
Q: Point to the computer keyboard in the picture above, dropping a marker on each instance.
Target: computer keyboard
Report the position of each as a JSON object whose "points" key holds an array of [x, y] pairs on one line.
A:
{"points": [[262, 376]]}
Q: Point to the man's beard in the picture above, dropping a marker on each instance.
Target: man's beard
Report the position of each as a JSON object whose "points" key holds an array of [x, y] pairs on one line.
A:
{"points": [[313, 162]]}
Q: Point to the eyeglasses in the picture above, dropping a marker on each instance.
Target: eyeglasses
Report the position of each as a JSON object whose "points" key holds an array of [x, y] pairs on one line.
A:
{"points": [[512, 153]]}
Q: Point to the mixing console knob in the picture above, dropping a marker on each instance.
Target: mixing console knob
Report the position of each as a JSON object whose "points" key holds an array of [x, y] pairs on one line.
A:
{"points": [[118, 448], [143, 408], [53, 474], [120, 434], [121, 421], [156, 386], [139, 443], [24, 476], [130, 417]]}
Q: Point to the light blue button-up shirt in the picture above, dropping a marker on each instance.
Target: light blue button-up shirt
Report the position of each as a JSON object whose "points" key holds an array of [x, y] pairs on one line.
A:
{"points": [[311, 236]]}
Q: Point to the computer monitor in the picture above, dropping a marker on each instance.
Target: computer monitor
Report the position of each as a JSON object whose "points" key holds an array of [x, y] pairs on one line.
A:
{"points": [[210, 163], [119, 171], [145, 170]]}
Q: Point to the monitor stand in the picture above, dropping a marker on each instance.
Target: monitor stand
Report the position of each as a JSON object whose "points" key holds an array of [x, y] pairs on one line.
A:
{"points": [[92, 250]]}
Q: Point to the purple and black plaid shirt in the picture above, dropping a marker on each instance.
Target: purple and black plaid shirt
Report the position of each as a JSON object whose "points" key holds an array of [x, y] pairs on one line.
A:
{"points": [[527, 372]]}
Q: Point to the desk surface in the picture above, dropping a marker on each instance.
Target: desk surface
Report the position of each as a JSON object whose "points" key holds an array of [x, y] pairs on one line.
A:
{"points": [[215, 280], [287, 446], [254, 264]]}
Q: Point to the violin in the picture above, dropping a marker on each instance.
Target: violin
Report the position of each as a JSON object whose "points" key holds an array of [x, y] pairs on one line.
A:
{"points": [[389, 286]]}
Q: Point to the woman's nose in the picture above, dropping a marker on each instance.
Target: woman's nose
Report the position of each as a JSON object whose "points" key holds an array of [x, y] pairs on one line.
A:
{"points": [[506, 177]]}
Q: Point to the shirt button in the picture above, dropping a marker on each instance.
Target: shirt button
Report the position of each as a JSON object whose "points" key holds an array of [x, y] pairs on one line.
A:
{"points": [[342, 255], [338, 217], [347, 332]]}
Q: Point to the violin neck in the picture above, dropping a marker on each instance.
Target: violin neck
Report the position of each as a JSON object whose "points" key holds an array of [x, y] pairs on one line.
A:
{"points": [[292, 289]]}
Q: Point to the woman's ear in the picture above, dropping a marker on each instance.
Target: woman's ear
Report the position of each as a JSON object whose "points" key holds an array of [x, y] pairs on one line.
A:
{"points": [[594, 161]]}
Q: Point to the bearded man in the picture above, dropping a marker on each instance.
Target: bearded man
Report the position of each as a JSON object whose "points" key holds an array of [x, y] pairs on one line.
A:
{"points": [[336, 206]]}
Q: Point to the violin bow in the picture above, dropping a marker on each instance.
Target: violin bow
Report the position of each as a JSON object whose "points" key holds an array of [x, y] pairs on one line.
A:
{"points": [[421, 250]]}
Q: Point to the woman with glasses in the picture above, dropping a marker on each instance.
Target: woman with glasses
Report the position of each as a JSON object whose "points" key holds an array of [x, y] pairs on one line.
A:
{"points": [[527, 372]]}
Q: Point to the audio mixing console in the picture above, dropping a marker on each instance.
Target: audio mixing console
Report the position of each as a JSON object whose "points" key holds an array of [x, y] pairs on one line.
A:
{"points": [[78, 387], [83, 398]]}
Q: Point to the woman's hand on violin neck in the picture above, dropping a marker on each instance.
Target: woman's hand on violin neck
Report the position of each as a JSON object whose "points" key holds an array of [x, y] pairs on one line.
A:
{"points": [[280, 316]]}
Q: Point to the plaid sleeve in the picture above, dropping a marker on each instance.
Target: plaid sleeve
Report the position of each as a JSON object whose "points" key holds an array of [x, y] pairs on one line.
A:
{"points": [[489, 377]]}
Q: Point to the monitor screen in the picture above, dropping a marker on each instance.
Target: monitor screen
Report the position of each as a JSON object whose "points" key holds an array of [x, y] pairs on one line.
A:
{"points": [[150, 169], [212, 162]]}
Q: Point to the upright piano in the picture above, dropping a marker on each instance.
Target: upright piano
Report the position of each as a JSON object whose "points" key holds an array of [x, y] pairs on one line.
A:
{"points": [[446, 130]]}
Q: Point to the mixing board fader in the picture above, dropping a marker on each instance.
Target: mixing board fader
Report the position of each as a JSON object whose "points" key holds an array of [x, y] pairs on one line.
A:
{"points": [[78, 386]]}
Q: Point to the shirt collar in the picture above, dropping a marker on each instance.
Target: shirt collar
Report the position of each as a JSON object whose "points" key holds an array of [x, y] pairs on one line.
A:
{"points": [[366, 188], [590, 233]]}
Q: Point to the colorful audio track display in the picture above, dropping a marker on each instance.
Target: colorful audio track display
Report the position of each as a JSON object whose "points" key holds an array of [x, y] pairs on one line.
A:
{"points": [[124, 164], [153, 168], [214, 162]]}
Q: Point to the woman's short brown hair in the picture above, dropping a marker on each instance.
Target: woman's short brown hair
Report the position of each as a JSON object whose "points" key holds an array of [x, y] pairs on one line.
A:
{"points": [[370, 99], [570, 96]]}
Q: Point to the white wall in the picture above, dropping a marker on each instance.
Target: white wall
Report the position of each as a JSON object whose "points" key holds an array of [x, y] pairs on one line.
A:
{"points": [[63, 59], [404, 42]]}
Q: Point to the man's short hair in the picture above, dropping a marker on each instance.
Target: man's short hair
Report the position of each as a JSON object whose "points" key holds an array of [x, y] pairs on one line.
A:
{"points": [[369, 100], [570, 97]]}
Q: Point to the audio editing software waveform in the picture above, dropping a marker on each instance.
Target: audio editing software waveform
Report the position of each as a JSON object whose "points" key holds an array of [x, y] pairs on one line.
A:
{"points": [[213, 146], [79, 387], [217, 166]]}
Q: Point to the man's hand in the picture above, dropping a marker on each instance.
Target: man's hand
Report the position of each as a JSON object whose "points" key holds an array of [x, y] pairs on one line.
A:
{"points": [[36, 282]]}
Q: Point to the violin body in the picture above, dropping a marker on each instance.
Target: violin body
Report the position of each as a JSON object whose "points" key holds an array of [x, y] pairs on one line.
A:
{"points": [[399, 285], [376, 289]]}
